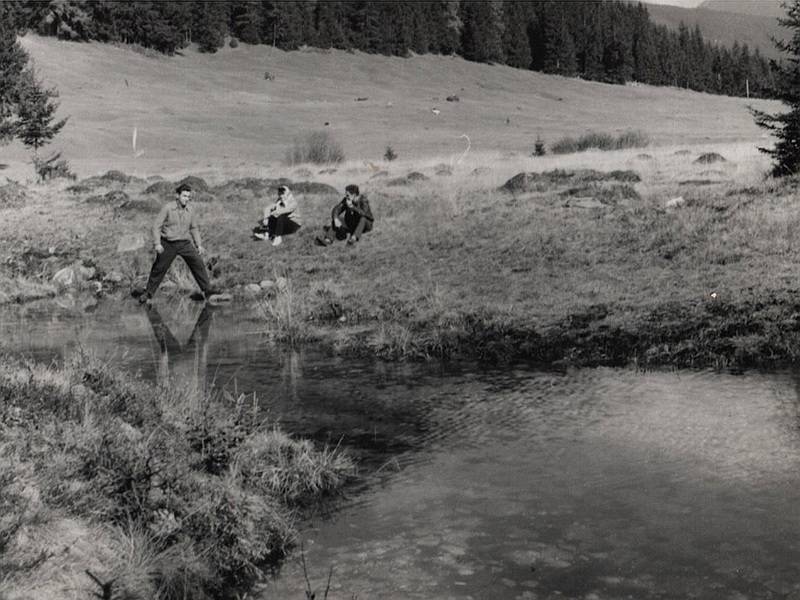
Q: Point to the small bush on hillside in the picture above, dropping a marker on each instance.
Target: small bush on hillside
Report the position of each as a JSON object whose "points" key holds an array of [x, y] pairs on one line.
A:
{"points": [[631, 139], [319, 148], [538, 148], [390, 154], [54, 167], [443, 170], [12, 195], [600, 141]]}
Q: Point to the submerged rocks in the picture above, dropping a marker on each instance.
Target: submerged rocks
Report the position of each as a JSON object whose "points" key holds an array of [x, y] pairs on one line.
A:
{"points": [[74, 275]]}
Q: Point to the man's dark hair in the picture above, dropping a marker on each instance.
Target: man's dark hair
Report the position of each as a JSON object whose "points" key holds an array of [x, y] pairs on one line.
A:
{"points": [[352, 188], [184, 187]]}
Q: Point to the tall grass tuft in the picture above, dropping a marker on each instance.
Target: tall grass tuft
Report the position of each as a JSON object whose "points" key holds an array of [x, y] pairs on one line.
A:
{"points": [[288, 314], [601, 141], [318, 148]]}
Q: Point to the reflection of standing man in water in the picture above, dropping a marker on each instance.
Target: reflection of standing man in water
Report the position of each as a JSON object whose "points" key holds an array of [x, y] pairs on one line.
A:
{"points": [[182, 363]]}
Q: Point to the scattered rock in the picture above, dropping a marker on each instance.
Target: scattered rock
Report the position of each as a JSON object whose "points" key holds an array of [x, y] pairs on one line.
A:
{"points": [[73, 275], [130, 242], [114, 277], [521, 182], [675, 202], [65, 278], [281, 283], [443, 169], [587, 202], [218, 298], [453, 98], [408, 179], [266, 285], [251, 289]]}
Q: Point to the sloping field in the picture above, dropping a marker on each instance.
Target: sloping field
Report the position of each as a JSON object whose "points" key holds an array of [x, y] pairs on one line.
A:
{"points": [[196, 112]]}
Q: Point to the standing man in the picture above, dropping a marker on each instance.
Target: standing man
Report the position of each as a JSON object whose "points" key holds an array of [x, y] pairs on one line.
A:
{"points": [[175, 233], [350, 218]]}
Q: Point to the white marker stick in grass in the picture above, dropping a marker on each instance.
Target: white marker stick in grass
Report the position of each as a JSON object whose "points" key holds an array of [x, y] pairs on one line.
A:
{"points": [[136, 153], [463, 135]]}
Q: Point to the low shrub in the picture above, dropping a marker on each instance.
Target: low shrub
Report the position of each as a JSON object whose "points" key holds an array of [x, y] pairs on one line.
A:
{"points": [[319, 148], [54, 167], [12, 195], [600, 141]]}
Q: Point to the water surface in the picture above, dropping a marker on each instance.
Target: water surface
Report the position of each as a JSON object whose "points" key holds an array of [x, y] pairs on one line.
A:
{"points": [[495, 483]]}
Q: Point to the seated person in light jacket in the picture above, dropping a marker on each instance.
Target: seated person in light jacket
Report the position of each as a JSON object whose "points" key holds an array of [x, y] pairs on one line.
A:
{"points": [[350, 218], [281, 218]]}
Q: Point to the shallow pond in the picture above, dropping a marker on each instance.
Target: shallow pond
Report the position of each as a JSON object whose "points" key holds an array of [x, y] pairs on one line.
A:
{"points": [[495, 483]]}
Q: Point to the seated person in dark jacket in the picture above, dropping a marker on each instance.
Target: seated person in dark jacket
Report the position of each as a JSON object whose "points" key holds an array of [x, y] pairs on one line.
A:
{"points": [[350, 218]]}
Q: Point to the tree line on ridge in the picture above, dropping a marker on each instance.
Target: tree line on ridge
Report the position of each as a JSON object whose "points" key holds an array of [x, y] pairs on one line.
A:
{"points": [[609, 41]]}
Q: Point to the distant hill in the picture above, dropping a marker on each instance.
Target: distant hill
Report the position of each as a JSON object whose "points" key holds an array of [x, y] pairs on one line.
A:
{"points": [[751, 22], [754, 8]]}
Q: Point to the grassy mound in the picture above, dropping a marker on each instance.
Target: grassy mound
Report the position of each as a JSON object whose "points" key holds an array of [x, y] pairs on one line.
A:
{"points": [[161, 491]]}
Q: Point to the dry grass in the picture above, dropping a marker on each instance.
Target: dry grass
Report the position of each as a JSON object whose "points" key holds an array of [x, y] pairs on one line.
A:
{"points": [[216, 114], [451, 254]]}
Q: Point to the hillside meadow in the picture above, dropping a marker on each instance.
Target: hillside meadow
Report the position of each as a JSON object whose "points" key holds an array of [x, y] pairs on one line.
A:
{"points": [[677, 253], [680, 252]]}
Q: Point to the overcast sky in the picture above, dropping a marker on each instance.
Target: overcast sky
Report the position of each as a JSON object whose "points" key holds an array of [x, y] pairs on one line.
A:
{"points": [[683, 3]]}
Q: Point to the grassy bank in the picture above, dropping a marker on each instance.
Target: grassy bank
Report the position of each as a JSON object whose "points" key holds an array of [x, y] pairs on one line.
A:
{"points": [[151, 492], [661, 258]]}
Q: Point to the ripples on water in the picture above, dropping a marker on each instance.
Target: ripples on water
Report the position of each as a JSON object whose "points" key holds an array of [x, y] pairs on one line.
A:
{"points": [[505, 483]]}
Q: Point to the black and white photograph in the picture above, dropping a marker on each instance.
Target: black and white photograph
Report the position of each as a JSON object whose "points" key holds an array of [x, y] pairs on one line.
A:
{"points": [[400, 300]]}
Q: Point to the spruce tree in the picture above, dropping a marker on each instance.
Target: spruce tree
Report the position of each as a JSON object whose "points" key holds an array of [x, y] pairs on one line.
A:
{"points": [[13, 60], [785, 125], [36, 110], [210, 25], [329, 21], [247, 21], [482, 35], [516, 46]]}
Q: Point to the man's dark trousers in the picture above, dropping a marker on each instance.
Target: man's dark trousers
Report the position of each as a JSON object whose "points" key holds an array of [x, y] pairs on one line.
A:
{"points": [[186, 250]]}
